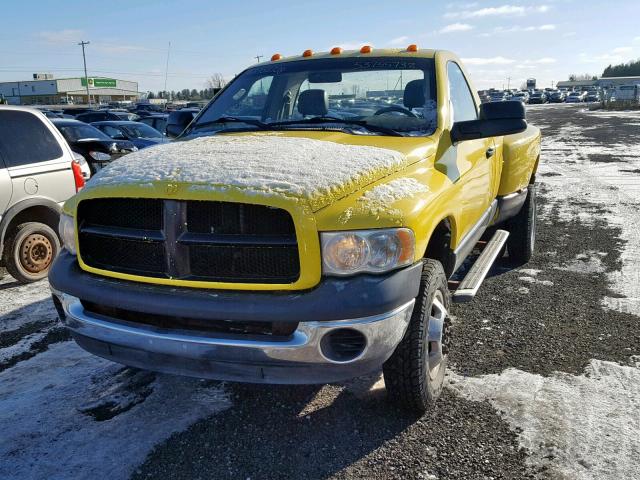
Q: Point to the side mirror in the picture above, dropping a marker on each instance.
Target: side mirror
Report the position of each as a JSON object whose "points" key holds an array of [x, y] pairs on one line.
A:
{"points": [[496, 119], [177, 125]]}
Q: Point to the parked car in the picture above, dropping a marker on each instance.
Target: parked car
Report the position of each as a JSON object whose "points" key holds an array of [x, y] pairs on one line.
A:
{"points": [[576, 97], [97, 148], [37, 174], [556, 96], [77, 111], [102, 115], [144, 109], [538, 97], [139, 134], [521, 96], [496, 97], [179, 119], [268, 249], [157, 121], [592, 96]]}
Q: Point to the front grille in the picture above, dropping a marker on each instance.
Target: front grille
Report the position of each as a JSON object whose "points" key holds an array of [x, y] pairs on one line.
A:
{"points": [[274, 330], [190, 240]]}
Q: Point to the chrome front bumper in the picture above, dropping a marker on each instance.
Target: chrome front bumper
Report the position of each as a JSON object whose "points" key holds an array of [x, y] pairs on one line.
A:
{"points": [[297, 360]]}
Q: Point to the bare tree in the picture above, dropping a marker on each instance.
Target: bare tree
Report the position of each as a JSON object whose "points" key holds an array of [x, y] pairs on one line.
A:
{"points": [[585, 76], [216, 81]]}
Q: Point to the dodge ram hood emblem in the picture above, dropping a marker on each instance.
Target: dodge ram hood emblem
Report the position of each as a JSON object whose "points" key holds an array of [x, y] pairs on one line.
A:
{"points": [[171, 188]]}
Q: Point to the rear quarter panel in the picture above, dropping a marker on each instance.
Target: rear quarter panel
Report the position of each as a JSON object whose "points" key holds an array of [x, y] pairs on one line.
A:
{"points": [[520, 155]]}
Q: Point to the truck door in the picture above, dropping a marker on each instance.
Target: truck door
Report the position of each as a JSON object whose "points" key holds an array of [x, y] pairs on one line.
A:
{"points": [[474, 158]]}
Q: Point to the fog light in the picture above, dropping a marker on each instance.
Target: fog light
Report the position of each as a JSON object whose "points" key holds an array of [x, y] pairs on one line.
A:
{"points": [[343, 344]]}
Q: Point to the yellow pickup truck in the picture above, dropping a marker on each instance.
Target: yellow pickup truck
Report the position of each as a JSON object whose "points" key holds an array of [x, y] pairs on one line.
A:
{"points": [[305, 226]]}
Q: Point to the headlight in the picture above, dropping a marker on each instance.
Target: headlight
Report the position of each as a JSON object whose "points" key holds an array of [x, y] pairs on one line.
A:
{"points": [[99, 156], [67, 230], [375, 251]]}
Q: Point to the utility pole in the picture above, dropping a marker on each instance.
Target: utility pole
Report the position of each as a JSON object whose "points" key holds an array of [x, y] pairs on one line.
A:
{"points": [[508, 83], [86, 79], [258, 57], [166, 70]]}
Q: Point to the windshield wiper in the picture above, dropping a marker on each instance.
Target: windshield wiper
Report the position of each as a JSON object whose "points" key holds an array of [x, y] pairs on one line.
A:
{"points": [[317, 120], [248, 121]]}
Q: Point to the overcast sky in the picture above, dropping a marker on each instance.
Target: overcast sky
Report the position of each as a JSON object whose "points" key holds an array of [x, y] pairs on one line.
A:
{"points": [[547, 40]]}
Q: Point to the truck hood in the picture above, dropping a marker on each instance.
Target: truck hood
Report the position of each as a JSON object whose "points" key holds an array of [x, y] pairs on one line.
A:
{"points": [[316, 171]]}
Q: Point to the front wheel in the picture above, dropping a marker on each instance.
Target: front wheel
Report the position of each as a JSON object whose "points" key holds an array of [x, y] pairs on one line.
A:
{"points": [[30, 251], [414, 374]]}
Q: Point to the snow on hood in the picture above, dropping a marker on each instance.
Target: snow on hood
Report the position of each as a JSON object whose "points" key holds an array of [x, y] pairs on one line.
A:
{"points": [[269, 164]]}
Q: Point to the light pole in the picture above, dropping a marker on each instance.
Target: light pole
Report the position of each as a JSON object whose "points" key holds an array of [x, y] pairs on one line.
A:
{"points": [[86, 79], [166, 71]]}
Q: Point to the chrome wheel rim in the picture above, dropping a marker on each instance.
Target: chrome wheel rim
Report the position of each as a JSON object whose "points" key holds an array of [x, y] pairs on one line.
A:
{"points": [[437, 319]]}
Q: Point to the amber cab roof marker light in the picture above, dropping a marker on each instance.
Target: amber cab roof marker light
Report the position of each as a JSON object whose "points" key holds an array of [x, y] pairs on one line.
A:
{"points": [[336, 51], [307, 53], [412, 48], [275, 57], [366, 49]]}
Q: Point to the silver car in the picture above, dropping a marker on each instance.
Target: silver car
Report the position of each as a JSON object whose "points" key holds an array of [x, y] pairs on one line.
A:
{"points": [[37, 174]]}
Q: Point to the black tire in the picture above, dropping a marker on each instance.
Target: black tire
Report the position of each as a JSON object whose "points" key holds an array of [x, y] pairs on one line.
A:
{"points": [[30, 250], [522, 231], [409, 380]]}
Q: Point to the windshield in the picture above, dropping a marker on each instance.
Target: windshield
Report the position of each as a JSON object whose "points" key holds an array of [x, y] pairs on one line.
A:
{"points": [[140, 130], [373, 96], [73, 133]]}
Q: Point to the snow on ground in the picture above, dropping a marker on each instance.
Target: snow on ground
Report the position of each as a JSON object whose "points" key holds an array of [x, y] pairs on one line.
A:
{"points": [[583, 427], [265, 163], [53, 428], [30, 295], [604, 174]]}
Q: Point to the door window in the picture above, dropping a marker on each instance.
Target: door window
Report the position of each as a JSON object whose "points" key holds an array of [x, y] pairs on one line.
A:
{"points": [[113, 132], [464, 106], [24, 139]]}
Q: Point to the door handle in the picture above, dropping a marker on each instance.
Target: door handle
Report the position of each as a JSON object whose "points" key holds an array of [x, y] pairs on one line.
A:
{"points": [[490, 152]]}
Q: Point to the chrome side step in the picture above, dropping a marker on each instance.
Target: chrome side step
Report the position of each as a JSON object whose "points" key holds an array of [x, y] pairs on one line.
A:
{"points": [[470, 284]]}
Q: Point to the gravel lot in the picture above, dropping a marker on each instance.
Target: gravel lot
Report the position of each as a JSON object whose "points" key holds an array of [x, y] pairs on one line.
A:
{"points": [[545, 380]]}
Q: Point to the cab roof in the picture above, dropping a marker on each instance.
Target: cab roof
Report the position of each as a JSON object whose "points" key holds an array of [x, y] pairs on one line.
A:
{"points": [[373, 52]]}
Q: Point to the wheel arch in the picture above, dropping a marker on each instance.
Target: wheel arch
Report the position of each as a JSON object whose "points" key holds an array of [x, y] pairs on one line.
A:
{"points": [[439, 244], [29, 210]]}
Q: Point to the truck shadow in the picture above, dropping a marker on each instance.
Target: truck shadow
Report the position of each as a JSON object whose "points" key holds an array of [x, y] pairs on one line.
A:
{"points": [[331, 431], [290, 431]]}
